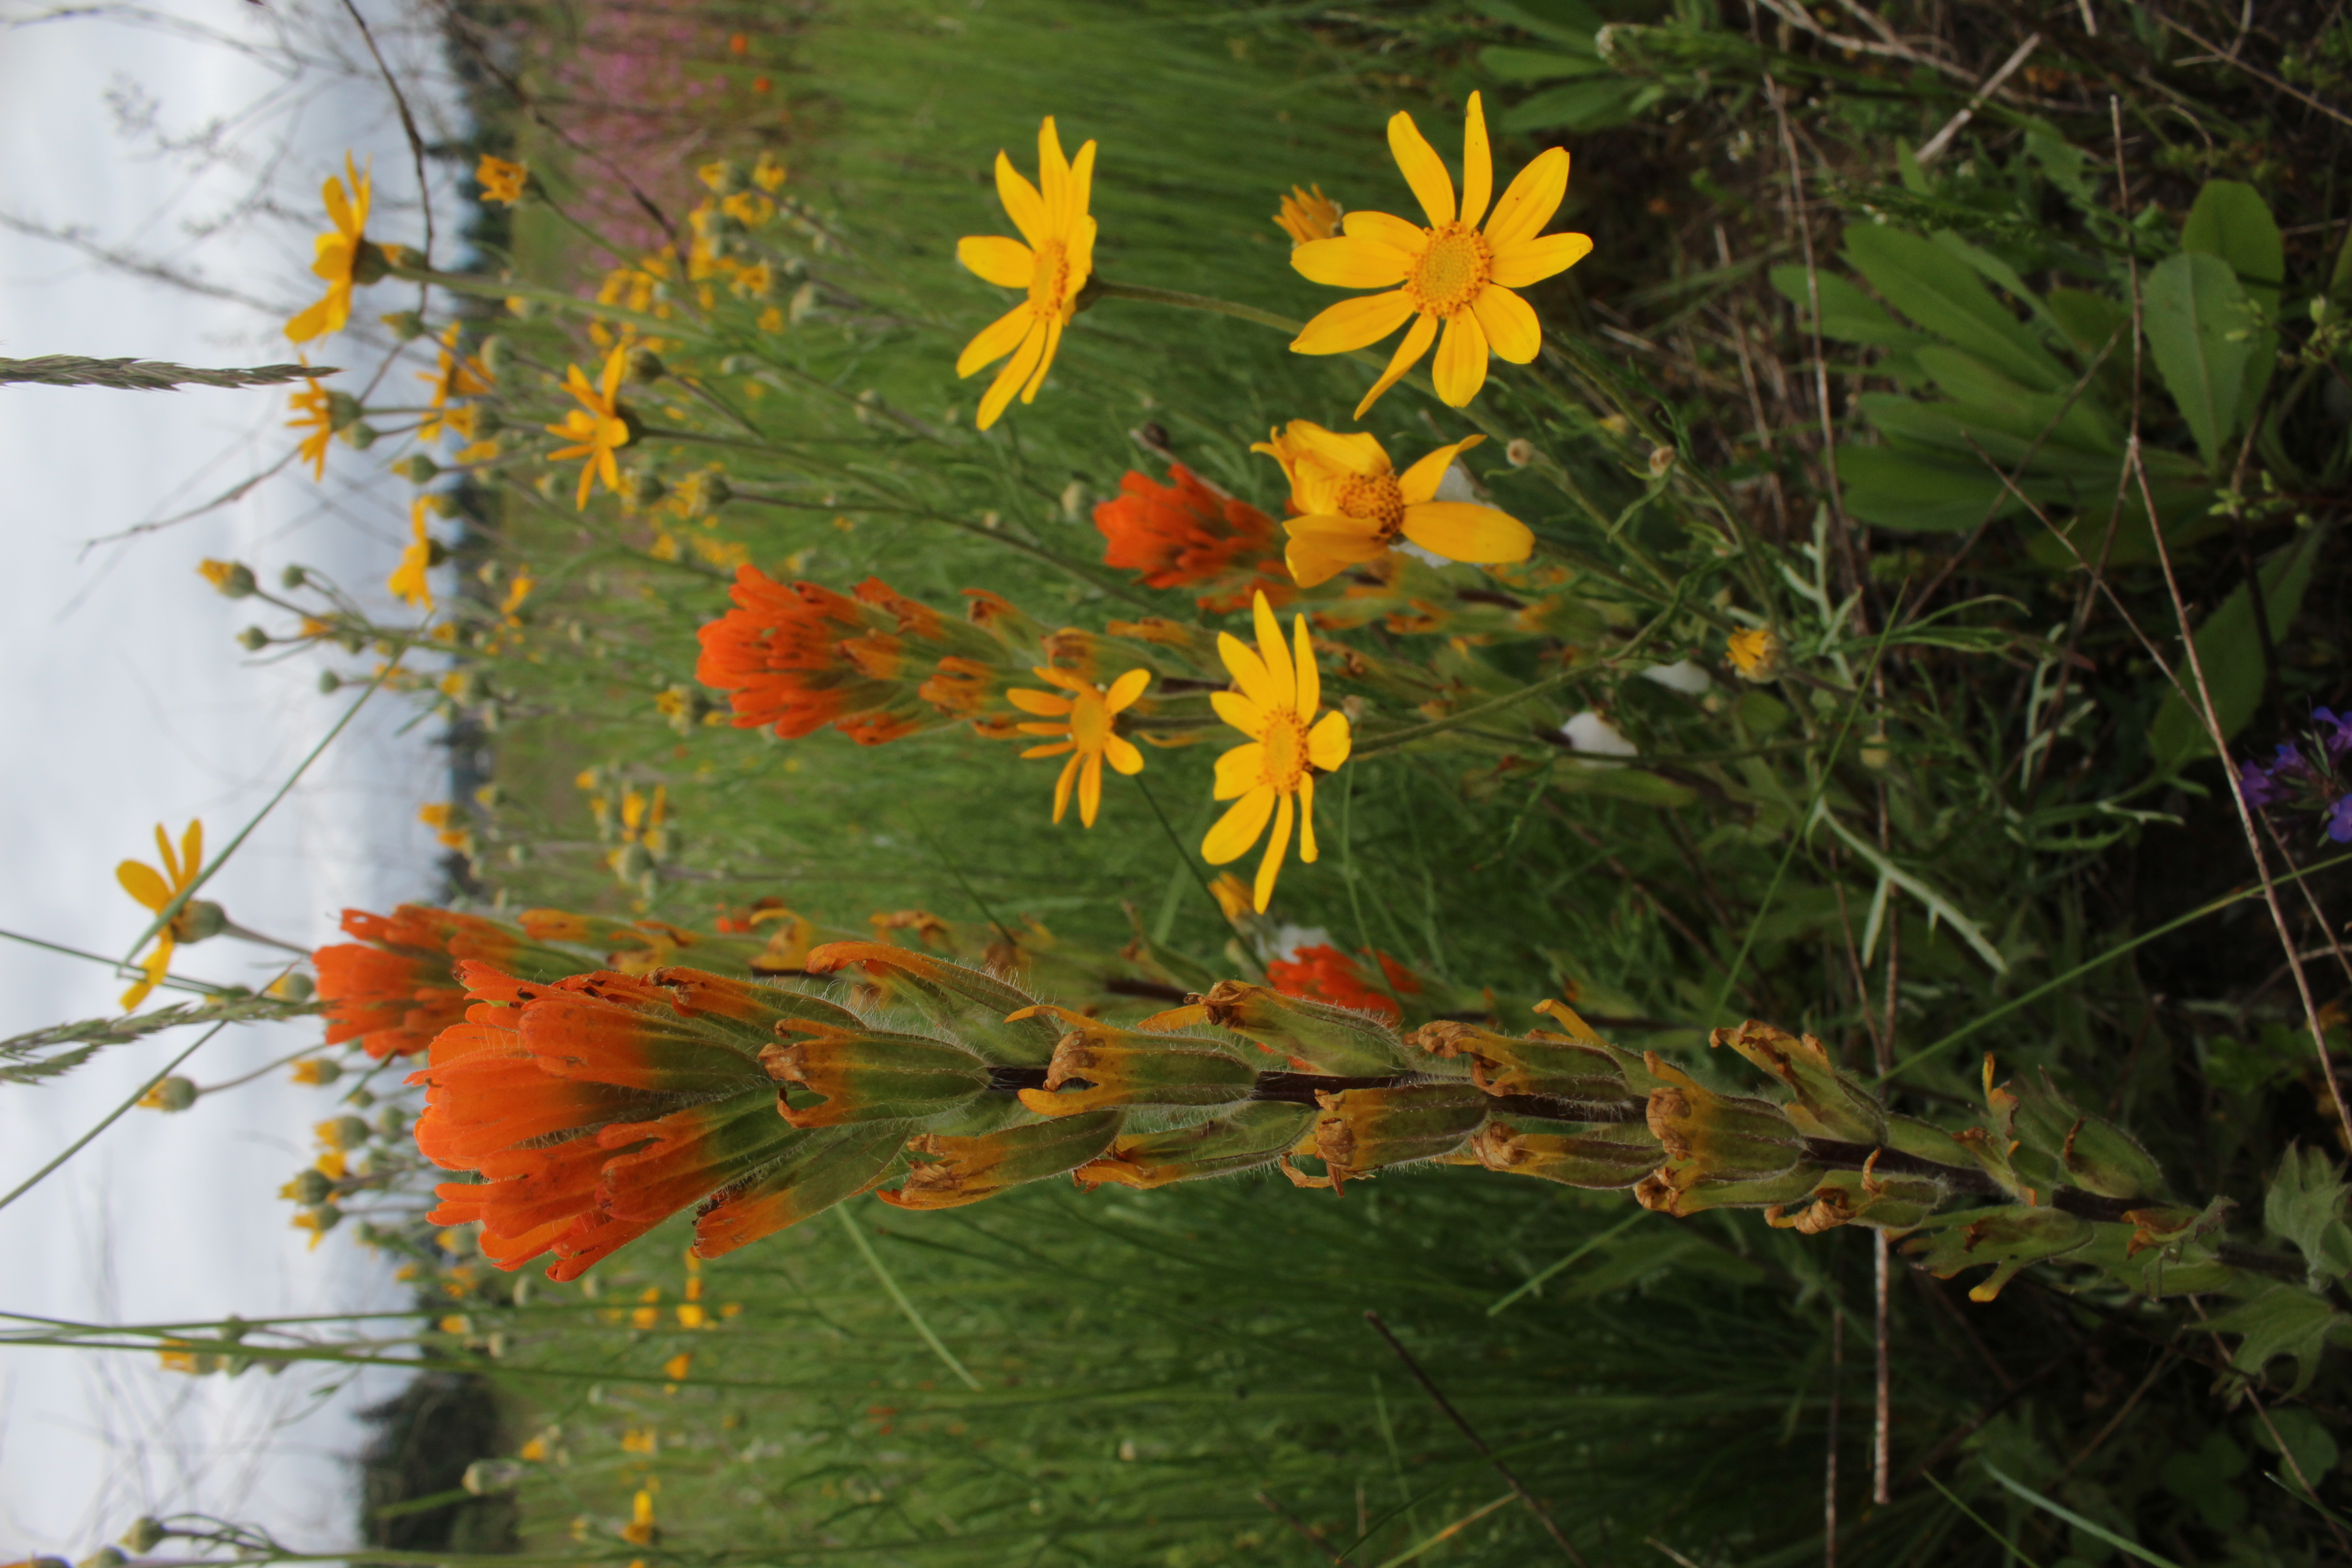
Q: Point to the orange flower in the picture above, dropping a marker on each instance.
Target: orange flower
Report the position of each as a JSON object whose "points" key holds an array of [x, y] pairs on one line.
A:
{"points": [[1324, 974], [1187, 534], [397, 987]]}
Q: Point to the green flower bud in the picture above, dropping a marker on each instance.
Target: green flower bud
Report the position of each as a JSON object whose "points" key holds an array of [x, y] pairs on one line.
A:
{"points": [[1828, 1103], [1862, 1197], [485, 1477], [393, 1122], [345, 1132], [343, 410], [105, 1557], [297, 986], [146, 1533], [1242, 1138], [1361, 1130], [948, 1173], [1562, 1067], [1674, 1190], [361, 1096], [837, 1074], [198, 920], [310, 1187], [1717, 1137], [329, 683], [1601, 1156], [253, 639], [644, 365], [1320, 1038], [175, 1093], [642, 486], [2058, 1141], [1126, 1066], [417, 469], [359, 435], [497, 354], [371, 263], [406, 326], [233, 578]]}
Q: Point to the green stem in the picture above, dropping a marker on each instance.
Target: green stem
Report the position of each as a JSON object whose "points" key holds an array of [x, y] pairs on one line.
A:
{"points": [[874, 1261], [1103, 288]]}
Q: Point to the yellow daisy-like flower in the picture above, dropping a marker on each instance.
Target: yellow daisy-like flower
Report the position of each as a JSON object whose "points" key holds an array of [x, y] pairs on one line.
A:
{"points": [[339, 256], [1353, 506], [1306, 215], [1451, 272], [501, 181], [1273, 776], [459, 374], [156, 889], [317, 419], [1757, 654], [1083, 722], [597, 427], [1054, 266], [408, 582]]}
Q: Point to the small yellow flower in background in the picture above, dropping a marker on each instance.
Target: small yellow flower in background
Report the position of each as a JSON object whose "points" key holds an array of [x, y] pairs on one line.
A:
{"points": [[517, 592], [447, 823], [318, 1071], [768, 172], [233, 579], [1353, 506], [1053, 266], [645, 1315], [408, 582], [314, 416], [640, 1440], [339, 257], [597, 427], [1757, 654], [457, 375], [677, 1366], [501, 181], [1232, 895], [535, 1451], [171, 1094], [156, 889], [330, 1163], [177, 1360], [1273, 776], [1306, 215], [1451, 273], [749, 208], [641, 1531], [1084, 723]]}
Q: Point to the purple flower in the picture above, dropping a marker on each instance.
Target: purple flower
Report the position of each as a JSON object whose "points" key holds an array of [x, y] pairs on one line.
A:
{"points": [[2338, 737], [2339, 820], [2261, 791]]}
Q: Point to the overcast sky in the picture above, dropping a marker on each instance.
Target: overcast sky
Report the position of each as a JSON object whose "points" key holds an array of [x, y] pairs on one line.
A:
{"points": [[126, 701]]}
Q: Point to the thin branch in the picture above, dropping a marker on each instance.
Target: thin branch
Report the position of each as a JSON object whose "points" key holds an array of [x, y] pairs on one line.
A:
{"points": [[146, 374], [1935, 146]]}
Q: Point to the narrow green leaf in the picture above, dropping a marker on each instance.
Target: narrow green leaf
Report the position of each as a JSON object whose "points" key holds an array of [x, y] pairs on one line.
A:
{"points": [[1848, 315], [2233, 658], [1912, 493], [1582, 106], [1943, 294], [1505, 63], [2086, 1526], [2193, 307]]}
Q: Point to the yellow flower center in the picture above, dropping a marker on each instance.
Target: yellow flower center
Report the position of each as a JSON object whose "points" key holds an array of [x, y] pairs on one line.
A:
{"points": [[1285, 749], [1050, 280], [1452, 269], [1375, 497], [1089, 721]]}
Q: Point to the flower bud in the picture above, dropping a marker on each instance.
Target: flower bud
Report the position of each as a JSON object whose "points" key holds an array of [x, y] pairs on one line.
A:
{"points": [[1241, 1139], [1675, 1190], [105, 1557], [756, 1014], [2008, 1238], [1520, 453], [948, 1173], [233, 578], [1601, 1156], [1662, 458], [175, 1093], [371, 262], [359, 435], [971, 1006], [1718, 1137], [2052, 1136], [845, 1075], [344, 1132], [329, 683], [485, 1477], [406, 326], [644, 365], [253, 639], [417, 469], [1124, 1067], [1862, 1197], [146, 1533], [642, 486], [1557, 1066], [1361, 1130], [1828, 1103], [310, 1187], [343, 410], [1316, 1035]]}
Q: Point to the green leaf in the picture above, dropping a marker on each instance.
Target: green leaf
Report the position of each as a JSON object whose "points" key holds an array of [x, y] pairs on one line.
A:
{"points": [[1942, 293], [2088, 1527], [2233, 659], [2280, 1320], [2201, 1477], [2195, 315], [2090, 320], [2230, 220], [1986, 265], [1505, 63], [1848, 315], [2305, 1206], [1582, 106], [2081, 425], [2314, 1450], [1570, 22], [1913, 493]]}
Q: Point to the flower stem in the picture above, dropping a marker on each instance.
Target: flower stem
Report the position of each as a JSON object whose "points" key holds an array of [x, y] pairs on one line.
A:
{"points": [[1103, 288]]}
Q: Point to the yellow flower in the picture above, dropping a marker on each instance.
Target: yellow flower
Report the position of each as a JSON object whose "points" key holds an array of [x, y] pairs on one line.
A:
{"points": [[1449, 272], [501, 180], [339, 257], [641, 1531], [1083, 722], [407, 581], [1307, 216], [183, 1360], [1053, 266], [768, 172], [317, 419], [597, 427], [316, 1070], [156, 889], [1756, 654], [1353, 505], [457, 375], [1273, 776]]}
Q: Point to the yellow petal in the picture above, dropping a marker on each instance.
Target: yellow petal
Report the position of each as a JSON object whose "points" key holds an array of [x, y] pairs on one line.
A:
{"points": [[314, 323], [143, 883], [1234, 832], [1007, 263], [1043, 703], [1352, 324], [1081, 251], [1425, 171], [192, 851], [616, 364], [1239, 771], [1349, 263], [1081, 179], [1053, 340], [1053, 179], [1307, 850], [1016, 370], [1350, 453], [1243, 714], [1509, 323], [1276, 842], [1123, 691], [1120, 752], [1420, 482], [338, 209], [1063, 750], [1090, 788], [1477, 173], [1461, 531], [1385, 229], [1461, 367], [1533, 260], [1249, 673], [1021, 203], [996, 340], [170, 857], [1329, 743], [1050, 727], [1062, 786], [1278, 657], [1530, 201], [1309, 677], [1064, 678], [1316, 558], [1408, 354]]}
